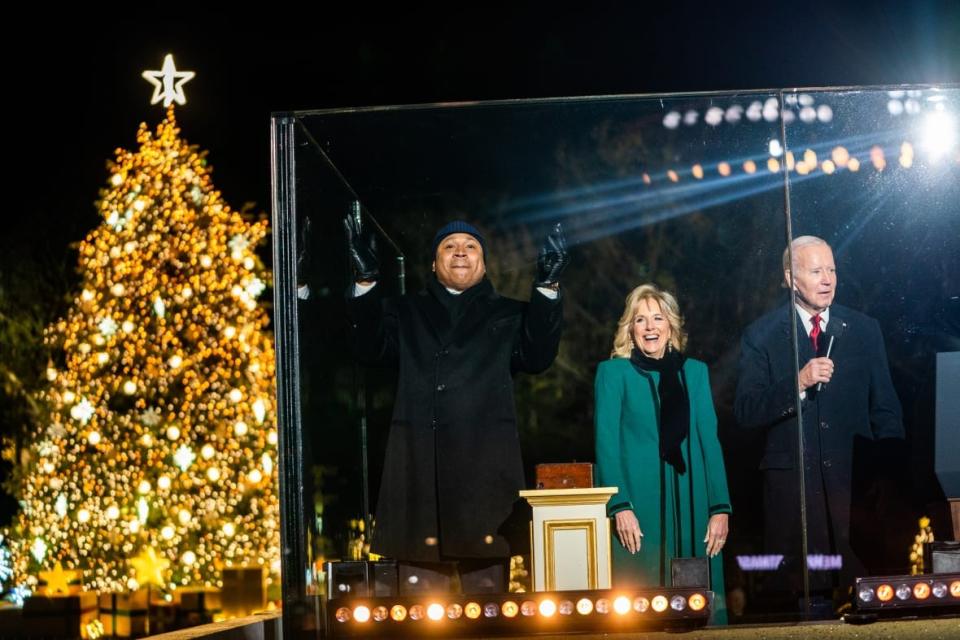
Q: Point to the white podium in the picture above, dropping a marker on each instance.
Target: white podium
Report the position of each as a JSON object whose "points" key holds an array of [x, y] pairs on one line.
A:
{"points": [[570, 538]]}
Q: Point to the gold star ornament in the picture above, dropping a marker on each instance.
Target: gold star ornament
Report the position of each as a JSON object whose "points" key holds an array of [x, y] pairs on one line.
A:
{"points": [[58, 581], [150, 567], [168, 83]]}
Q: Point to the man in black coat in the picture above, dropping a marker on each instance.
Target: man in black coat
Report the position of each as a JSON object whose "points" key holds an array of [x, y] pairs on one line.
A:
{"points": [[453, 465], [846, 396]]}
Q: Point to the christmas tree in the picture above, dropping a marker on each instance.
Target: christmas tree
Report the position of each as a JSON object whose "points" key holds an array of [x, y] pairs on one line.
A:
{"points": [[159, 454]]}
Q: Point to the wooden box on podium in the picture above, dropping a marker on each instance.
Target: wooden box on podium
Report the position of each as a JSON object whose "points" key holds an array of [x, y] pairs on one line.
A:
{"points": [[570, 538]]}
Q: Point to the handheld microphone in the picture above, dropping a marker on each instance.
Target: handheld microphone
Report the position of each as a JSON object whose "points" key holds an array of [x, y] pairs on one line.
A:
{"points": [[833, 337], [829, 349]]}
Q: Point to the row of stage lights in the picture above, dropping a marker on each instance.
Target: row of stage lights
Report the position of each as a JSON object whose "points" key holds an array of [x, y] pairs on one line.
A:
{"points": [[892, 592], [557, 611]]}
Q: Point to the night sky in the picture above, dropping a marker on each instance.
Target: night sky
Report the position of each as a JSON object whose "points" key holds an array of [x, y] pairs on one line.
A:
{"points": [[74, 93]]}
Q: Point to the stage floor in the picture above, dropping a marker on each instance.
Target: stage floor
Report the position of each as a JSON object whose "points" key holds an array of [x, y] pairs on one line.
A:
{"points": [[947, 628]]}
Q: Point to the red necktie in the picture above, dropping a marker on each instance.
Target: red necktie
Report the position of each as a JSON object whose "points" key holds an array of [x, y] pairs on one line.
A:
{"points": [[815, 332]]}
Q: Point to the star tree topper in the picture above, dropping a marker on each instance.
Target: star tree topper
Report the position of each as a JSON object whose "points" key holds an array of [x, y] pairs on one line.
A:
{"points": [[168, 83]]}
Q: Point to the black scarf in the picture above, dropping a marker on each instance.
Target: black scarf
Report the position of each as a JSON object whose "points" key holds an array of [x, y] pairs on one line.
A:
{"points": [[456, 303], [674, 404]]}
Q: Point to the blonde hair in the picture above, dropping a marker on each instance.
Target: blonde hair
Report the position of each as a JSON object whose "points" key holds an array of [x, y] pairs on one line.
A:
{"points": [[623, 338]]}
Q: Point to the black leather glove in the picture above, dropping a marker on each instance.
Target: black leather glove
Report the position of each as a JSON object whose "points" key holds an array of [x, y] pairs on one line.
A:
{"points": [[362, 251], [552, 259]]}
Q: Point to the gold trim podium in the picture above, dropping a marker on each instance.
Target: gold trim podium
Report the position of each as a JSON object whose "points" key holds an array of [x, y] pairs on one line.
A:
{"points": [[570, 538]]}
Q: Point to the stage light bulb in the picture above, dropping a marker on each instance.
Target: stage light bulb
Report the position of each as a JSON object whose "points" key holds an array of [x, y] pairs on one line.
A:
{"points": [[622, 605], [750, 166], [724, 169], [866, 594], [877, 158], [380, 614], [939, 590], [548, 608], [398, 612], [566, 607], [491, 610], [955, 588], [472, 610], [435, 611], [603, 605], [939, 134], [343, 614], [659, 604], [584, 606], [697, 602], [678, 603], [509, 608], [641, 604], [885, 593], [840, 156], [921, 591], [417, 612], [454, 611], [361, 614], [528, 608]]}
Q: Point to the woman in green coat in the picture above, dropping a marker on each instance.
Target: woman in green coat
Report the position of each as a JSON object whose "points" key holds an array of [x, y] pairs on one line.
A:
{"points": [[656, 440]]}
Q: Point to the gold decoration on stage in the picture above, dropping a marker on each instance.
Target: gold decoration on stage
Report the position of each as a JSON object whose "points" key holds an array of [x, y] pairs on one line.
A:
{"points": [[58, 580], [150, 567]]}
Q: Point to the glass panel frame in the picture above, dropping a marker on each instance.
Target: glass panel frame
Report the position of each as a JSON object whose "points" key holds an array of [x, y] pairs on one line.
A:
{"points": [[353, 154]]}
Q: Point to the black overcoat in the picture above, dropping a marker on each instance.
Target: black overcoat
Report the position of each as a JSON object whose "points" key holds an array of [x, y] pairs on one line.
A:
{"points": [[453, 464], [858, 403]]}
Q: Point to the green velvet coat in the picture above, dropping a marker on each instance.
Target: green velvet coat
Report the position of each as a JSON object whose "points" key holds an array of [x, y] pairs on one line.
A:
{"points": [[673, 509]]}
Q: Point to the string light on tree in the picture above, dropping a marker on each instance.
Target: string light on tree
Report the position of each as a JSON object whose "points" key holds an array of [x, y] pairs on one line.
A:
{"points": [[139, 475]]}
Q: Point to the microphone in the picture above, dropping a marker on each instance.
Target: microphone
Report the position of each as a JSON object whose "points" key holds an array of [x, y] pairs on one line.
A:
{"points": [[833, 337], [829, 349]]}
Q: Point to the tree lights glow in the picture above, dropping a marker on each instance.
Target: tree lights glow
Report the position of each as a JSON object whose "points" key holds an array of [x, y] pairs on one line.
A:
{"points": [[139, 475]]}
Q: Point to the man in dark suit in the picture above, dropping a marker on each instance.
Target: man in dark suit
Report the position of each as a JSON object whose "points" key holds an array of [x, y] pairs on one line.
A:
{"points": [[453, 467], [844, 396]]}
